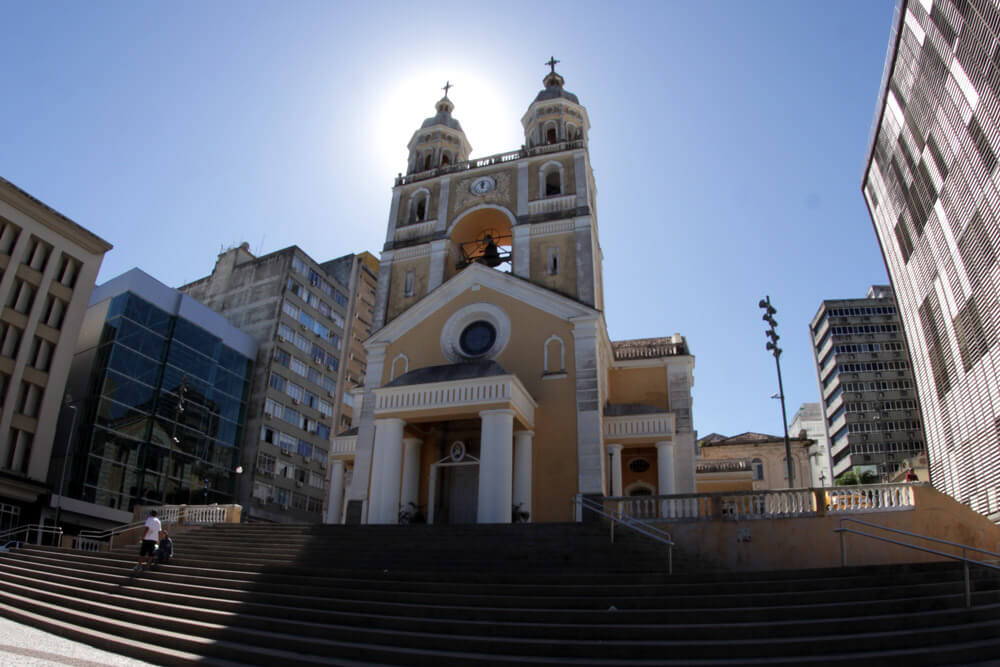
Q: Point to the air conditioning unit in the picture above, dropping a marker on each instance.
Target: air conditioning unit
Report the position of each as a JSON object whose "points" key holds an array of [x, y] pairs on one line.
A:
{"points": [[267, 415], [284, 508], [298, 484], [286, 452], [322, 464], [304, 327], [330, 394], [306, 459], [281, 339], [295, 401]]}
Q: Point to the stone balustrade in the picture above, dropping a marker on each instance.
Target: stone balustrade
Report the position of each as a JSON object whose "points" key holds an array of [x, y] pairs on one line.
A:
{"points": [[414, 231], [345, 445], [639, 427], [489, 161], [552, 204], [771, 504], [473, 393]]}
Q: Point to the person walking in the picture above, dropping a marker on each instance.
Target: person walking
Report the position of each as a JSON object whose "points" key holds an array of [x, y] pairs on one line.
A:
{"points": [[149, 540]]}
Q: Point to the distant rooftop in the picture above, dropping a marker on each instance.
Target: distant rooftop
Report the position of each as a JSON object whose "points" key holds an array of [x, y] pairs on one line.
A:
{"points": [[649, 348]]}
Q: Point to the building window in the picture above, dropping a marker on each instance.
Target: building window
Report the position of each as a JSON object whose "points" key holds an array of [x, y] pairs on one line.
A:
{"points": [[408, 279], [400, 365], [758, 470], [551, 177], [8, 236], [552, 262], [639, 466], [554, 355]]}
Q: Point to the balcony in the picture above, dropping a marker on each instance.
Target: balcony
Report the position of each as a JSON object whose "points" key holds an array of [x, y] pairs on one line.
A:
{"points": [[552, 204], [411, 231], [647, 427], [456, 397], [344, 445], [492, 160]]}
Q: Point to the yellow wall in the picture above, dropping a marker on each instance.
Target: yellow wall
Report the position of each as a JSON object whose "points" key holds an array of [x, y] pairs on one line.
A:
{"points": [[564, 281], [811, 542], [554, 479], [629, 454], [639, 385], [421, 267]]}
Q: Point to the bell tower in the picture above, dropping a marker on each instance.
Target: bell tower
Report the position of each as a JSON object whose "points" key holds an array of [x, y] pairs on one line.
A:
{"points": [[529, 212]]}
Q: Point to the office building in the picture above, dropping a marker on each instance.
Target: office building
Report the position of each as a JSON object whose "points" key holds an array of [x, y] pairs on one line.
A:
{"points": [[930, 184], [304, 320], [872, 418], [161, 385], [48, 265]]}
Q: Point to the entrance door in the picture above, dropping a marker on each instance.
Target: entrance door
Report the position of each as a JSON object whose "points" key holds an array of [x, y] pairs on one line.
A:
{"points": [[463, 493]]}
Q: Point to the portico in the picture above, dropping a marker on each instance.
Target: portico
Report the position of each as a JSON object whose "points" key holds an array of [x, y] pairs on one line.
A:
{"points": [[635, 436], [475, 391]]}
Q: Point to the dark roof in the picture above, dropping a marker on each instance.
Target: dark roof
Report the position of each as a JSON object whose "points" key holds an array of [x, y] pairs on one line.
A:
{"points": [[624, 409], [449, 373], [748, 438], [351, 431], [442, 118], [554, 92], [647, 348]]}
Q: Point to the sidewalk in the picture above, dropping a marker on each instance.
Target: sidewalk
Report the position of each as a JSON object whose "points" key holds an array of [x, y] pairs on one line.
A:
{"points": [[25, 646]]}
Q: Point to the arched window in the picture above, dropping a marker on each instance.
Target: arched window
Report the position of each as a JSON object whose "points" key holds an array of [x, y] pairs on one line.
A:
{"points": [[418, 206], [552, 261], [758, 469], [445, 159], [551, 177], [400, 365], [554, 355], [550, 134], [427, 161]]}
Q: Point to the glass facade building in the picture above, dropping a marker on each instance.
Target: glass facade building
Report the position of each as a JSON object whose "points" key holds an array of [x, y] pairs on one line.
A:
{"points": [[164, 399], [931, 187]]}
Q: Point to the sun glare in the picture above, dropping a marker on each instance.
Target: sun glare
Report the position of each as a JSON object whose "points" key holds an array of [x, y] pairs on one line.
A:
{"points": [[483, 105]]}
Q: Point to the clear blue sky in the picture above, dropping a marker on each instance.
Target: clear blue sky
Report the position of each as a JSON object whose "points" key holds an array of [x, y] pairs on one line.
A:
{"points": [[727, 140]]}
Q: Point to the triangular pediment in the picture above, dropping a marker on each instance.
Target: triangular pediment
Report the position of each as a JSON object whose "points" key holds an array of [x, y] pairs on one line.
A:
{"points": [[511, 286]]}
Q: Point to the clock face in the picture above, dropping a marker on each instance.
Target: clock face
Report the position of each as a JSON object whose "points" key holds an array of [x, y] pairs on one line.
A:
{"points": [[482, 185], [477, 338]]}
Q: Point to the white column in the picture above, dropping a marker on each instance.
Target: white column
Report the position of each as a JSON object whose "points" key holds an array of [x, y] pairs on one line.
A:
{"points": [[522, 472], [383, 505], [665, 468], [335, 501], [411, 473], [616, 469], [495, 466]]}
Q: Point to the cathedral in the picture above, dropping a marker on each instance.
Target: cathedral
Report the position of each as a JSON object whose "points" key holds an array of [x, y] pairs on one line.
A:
{"points": [[492, 392]]}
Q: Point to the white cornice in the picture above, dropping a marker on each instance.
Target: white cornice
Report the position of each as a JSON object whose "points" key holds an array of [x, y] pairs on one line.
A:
{"points": [[516, 288]]}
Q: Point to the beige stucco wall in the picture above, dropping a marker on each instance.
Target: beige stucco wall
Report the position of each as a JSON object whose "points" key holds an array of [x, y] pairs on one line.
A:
{"points": [[564, 282], [421, 272], [639, 385], [811, 542], [771, 454], [554, 455]]}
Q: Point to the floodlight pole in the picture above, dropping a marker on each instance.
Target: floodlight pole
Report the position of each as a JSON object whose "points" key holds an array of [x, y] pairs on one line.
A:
{"points": [[772, 346]]}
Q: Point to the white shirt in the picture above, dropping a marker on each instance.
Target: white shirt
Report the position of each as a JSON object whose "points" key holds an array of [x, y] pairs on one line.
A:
{"points": [[153, 528]]}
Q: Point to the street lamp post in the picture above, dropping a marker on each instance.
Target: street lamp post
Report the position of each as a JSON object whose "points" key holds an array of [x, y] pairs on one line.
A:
{"points": [[69, 449], [772, 346]]}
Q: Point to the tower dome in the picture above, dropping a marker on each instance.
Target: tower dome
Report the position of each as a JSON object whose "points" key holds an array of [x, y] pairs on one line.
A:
{"points": [[556, 115], [440, 141]]}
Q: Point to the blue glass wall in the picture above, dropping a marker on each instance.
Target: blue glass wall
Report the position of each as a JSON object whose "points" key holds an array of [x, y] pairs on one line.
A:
{"points": [[165, 412]]}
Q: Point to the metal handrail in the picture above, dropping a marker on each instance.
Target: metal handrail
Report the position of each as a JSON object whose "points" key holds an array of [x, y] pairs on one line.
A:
{"points": [[108, 533], [614, 516], [9, 536], [965, 560]]}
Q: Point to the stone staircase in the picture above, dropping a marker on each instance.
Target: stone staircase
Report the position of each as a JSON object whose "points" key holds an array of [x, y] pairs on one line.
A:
{"points": [[494, 595]]}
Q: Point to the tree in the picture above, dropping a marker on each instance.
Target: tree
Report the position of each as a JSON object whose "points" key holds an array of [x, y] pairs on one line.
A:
{"points": [[854, 476]]}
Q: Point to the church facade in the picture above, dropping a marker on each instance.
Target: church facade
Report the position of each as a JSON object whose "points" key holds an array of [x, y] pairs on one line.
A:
{"points": [[492, 391]]}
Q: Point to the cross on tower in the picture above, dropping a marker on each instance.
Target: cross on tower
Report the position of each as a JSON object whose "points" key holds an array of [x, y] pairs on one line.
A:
{"points": [[447, 85], [552, 63]]}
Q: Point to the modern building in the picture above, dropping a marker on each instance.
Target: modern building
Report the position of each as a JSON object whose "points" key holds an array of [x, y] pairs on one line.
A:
{"points": [[809, 423], [930, 184], [48, 265], [751, 462], [305, 322], [866, 384], [160, 383], [493, 392]]}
